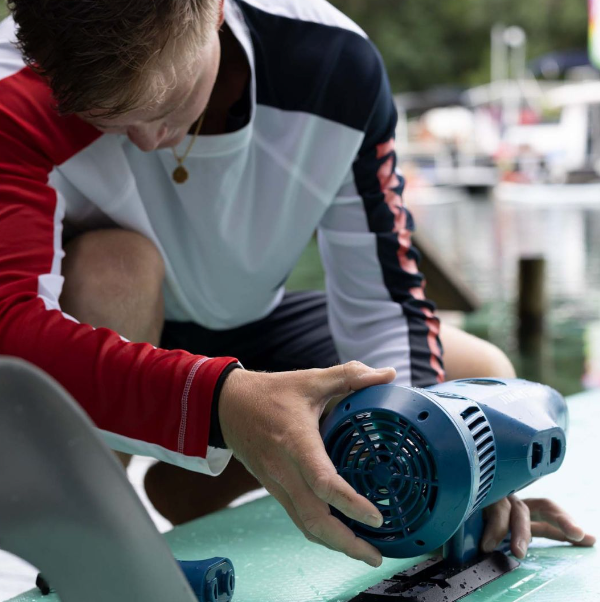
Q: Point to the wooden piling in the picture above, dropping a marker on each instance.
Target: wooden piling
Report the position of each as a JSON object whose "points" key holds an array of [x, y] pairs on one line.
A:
{"points": [[532, 304]]}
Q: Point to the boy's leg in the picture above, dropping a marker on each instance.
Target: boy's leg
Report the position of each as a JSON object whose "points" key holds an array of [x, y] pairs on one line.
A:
{"points": [[113, 279], [295, 336], [466, 356]]}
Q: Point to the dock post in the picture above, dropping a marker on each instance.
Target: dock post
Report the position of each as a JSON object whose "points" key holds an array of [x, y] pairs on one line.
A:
{"points": [[531, 304]]}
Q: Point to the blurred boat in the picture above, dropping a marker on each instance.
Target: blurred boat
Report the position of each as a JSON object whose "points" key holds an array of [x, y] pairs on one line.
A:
{"points": [[581, 195], [528, 140], [559, 162], [443, 141]]}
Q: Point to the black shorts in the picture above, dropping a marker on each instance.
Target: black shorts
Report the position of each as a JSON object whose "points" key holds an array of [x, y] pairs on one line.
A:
{"points": [[294, 336]]}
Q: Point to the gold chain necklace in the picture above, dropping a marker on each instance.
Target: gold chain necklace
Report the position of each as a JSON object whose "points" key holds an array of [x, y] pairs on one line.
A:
{"points": [[180, 173]]}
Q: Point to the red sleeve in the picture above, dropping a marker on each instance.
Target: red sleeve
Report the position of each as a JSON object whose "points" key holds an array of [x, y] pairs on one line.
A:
{"points": [[134, 390]]}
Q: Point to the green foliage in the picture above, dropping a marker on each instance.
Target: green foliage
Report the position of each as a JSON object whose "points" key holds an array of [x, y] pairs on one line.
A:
{"points": [[435, 42]]}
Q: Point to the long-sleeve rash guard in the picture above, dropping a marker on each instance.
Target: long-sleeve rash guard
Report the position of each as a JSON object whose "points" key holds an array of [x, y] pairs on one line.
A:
{"points": [[317, 154]]}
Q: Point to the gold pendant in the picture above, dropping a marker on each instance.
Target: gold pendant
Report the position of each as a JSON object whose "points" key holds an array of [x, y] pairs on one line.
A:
{"points": [[180, 174]]}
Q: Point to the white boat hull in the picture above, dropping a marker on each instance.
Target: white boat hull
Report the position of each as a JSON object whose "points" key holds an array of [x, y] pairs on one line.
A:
{"points": [[548, 194]]}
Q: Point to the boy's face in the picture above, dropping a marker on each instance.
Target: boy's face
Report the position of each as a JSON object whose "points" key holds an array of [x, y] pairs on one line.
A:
{"points": [[167, 123]]}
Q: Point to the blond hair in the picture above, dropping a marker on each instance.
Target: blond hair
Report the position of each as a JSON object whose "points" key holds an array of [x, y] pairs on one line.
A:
{"points": [[112, 56]]}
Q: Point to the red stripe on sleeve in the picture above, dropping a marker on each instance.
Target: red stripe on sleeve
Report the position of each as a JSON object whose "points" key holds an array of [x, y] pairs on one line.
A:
{"points": [[389, 183]]}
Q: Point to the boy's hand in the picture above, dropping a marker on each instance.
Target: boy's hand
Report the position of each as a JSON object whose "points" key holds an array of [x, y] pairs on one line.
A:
{"points": [[271, 423], [530, 518]]}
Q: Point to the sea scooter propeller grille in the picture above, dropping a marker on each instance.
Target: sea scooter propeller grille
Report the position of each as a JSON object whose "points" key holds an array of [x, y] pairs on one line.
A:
{"points": [[388, 460]]}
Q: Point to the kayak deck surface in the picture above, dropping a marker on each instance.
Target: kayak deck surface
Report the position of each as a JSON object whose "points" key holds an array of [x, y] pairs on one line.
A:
{"points": [[274, 563]]}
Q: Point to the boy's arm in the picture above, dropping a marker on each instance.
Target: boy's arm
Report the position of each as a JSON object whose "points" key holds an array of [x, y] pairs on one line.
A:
{"points": [[378, 311], [147, 401]]}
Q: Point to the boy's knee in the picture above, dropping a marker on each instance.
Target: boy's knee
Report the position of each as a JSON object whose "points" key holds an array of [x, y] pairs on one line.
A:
{"points": [[496, 362], [467, 356], [114, 263], [113, 254]]}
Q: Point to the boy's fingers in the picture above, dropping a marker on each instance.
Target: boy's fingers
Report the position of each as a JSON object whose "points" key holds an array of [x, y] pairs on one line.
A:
{"points": [[319, 473], [283, 498], [543, 529], [317, 519], [352, 376], [520, 527], [497, 523], [544, 510]]}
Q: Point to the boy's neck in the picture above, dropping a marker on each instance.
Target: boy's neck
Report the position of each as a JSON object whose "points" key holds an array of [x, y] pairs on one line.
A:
{"points": [[232, 79]]}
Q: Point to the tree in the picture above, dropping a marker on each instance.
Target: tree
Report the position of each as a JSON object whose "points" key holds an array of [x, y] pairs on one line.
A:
{"points": [[435, 42]]}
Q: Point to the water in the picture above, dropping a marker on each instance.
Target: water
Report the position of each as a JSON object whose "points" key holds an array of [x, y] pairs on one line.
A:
{"points": [[483, 241]]}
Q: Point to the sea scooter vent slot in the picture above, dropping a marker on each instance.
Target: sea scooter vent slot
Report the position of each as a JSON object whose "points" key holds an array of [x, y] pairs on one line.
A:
{"points": [[486, 450]]}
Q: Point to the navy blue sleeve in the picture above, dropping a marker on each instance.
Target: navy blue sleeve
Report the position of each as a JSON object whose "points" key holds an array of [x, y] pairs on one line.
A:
{"points": [[381, 186], [377, 308]]}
